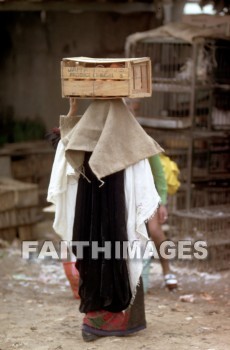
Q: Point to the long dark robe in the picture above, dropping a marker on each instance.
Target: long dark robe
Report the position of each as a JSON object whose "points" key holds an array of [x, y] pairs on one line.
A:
{"points": [[100, 216]]}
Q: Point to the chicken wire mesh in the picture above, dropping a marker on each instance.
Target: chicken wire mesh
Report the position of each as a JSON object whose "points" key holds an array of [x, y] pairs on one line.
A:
{"points": [[218, 257], [221, 109], [173, 109], [221, 54], [175, 63], [173, 59], [211, 223], [202, 195], [187, 93]]}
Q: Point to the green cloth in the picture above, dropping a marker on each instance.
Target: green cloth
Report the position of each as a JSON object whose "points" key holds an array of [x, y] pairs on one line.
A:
{"points": [[159, 177]]}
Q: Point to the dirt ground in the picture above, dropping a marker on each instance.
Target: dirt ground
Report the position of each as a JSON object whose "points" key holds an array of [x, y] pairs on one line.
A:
{"points": [[38, 311]]}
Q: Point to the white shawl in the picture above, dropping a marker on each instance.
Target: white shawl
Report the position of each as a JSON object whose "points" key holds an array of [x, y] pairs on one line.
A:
{"points": [[141, 197]]}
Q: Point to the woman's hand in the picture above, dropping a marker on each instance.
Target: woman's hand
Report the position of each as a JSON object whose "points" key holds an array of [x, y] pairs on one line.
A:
{"points": [[162, 214], [73, 106]]}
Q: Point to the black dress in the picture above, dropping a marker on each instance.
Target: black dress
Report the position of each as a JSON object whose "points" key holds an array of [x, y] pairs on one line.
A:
{"points": [[100, 216]]}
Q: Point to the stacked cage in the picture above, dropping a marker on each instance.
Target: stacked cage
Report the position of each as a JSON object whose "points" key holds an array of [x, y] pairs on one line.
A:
{"points": [[189, 112], [189, 115], [221, 77], [181, 84]]}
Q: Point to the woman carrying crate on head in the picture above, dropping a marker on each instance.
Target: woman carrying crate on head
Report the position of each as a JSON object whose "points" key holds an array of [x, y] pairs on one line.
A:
{"points": [[103, 160]]}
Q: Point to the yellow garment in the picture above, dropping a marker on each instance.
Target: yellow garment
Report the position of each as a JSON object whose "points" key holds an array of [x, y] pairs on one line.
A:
{"points": [[171, 173]]}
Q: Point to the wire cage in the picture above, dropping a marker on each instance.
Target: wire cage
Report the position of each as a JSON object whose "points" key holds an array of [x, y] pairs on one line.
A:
{"points": [[203, 194], [211, 223], [211, 157], [219, 155], [173, 60], [213, 193], [172, 109], [177, 68], [191, 82], [176, 146], [218, 257], [221, 109], [221, 53], [189, 103], [176, 61]]}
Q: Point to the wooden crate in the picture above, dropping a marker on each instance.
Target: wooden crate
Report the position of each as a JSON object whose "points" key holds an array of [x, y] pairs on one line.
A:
{"points": [[22, 167], [24, 233], [106, 78], [19, 217], [5, 166], [7, 198], [8, 234], [17, 194], [30, 159]]}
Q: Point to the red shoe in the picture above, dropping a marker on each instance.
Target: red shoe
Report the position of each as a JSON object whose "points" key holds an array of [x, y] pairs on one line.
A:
{"points": [[104, 323], [72, 276], [105, 320]]}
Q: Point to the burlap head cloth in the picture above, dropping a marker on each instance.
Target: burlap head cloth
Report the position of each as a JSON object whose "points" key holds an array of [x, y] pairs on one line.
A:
{"points": [[113, 135]]}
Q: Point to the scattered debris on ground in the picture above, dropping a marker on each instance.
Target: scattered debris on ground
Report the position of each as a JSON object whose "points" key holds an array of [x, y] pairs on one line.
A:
{"points": [[39, 312]]}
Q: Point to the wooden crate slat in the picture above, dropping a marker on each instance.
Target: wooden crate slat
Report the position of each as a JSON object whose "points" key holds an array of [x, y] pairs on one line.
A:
{"points": [[144, 77], [22, 167], [95, 88], [149, 78], [94, 73], [5, 166], [8, 234], [32, 165], [104, 60], [25, 232], [137, 75], [19, 217], [7, 199], [139, 94], [16, 194], [131, 78]]}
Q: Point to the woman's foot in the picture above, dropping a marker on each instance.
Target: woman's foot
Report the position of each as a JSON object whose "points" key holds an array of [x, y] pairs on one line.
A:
{"points": [[87, 337], [90, 333], [72, 276], [103, 323], [171, 281]]}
